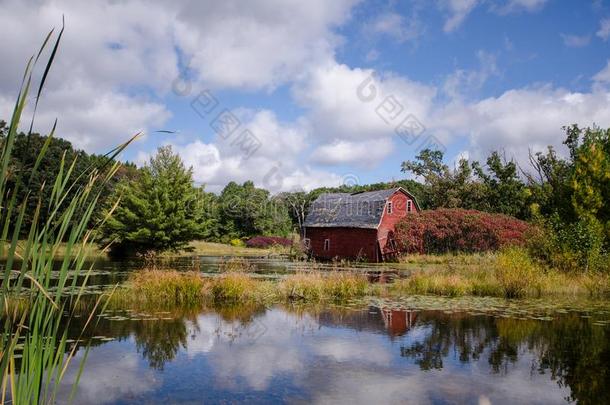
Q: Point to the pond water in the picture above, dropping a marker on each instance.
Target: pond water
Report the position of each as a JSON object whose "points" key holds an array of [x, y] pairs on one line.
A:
{"points": [[420, 350], [417, 350]]}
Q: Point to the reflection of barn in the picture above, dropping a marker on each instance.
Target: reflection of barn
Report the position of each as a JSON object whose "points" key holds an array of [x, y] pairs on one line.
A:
{"points": [[394, 322], [398, 321], [357, 225]]}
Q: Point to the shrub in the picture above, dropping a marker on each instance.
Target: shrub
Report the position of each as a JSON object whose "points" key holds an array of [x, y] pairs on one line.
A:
{"points": [[576, 247], [236, 242], [268, 241], [517, 273], [458, 230]]}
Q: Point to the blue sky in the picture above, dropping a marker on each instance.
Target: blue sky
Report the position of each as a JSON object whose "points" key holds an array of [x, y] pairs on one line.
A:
{"points": [[477, 75]]}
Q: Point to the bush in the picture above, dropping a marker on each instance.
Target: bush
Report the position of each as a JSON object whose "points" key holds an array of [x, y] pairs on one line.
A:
{"points": [[236, 242], [458, 230], [570, 247], [268, 241], [517, 273]]}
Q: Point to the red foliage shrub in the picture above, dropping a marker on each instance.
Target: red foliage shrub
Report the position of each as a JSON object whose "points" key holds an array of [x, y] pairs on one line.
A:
{"points": [[267, 241], [458, 230]]}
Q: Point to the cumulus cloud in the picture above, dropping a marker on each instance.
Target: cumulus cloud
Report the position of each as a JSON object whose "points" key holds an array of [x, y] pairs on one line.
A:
{"points": [[522, 118], [366, 153], [349, 108], [274, 165], [260, 43], [95, 63]]}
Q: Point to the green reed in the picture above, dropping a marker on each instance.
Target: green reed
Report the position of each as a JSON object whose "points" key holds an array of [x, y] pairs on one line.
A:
{"points": [[34, 354]]}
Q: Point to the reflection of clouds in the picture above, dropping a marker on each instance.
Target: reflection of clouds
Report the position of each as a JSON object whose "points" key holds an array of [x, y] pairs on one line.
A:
{"points": [[280, 353], [370, 387], [367, 348], [112, 372], [369, 384], [255, 351]]}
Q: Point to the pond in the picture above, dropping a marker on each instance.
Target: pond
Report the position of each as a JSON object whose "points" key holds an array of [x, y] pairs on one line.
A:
{"points": [[414, 349], [484, 351]]}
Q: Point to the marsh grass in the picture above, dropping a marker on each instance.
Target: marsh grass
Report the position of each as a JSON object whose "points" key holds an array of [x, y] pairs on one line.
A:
{"points": [[323, 286], [510, 273], [171, 288]]}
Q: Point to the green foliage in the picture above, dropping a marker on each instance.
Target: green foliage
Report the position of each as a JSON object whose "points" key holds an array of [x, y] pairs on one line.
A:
{"points": [[158, 211], [47, 292], [26, 150], [237, 242], [516, 272], [245, 210]]}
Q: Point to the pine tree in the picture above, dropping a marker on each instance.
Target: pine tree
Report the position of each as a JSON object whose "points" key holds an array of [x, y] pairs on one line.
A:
{"points": [[157, 211]]}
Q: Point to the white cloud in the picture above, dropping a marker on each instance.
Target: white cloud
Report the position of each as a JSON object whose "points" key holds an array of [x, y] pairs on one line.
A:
{"points": [[521, 119], [112, 50], [528, 5], [275, 165], [462, 83], [258, 44], [344, 110], [604, 29], [105, 48], [363, 153], [458, 11], [603, 76], [396, 26], [575, 41]]}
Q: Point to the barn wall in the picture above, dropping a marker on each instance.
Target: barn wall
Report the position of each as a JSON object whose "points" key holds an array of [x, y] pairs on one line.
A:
{"points": [[389, 221], [345, 243]]}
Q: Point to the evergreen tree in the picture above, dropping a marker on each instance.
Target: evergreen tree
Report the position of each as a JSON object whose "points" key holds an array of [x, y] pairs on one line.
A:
{"points": [[158, 211]]}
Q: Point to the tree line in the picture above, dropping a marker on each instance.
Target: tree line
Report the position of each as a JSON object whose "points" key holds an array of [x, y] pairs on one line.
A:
{"points": [[159, 207]]}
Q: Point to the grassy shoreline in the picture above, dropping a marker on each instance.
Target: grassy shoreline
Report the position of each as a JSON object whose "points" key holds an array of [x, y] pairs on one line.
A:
{"points": [[510, 274]]}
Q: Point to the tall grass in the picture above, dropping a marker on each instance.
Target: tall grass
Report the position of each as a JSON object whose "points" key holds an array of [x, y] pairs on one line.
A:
{"points": [[33, 351], [510, 273]]}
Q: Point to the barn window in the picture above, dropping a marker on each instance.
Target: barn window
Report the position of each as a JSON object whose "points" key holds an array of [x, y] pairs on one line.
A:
{"points": [[326, 244], [389, 207], [307, 243], [409, 205]]}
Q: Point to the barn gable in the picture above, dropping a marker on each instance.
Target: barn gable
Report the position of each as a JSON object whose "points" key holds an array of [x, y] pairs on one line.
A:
{"points": [[355, 210]]}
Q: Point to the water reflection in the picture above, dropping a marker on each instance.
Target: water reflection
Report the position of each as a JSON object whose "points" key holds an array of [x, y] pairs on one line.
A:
{"points": [[370, 355]]}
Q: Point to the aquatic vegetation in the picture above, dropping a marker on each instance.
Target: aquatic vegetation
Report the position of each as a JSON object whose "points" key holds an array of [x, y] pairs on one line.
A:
{"points": [[318, 286], [236, 265], [172, 287], [235, 287]]}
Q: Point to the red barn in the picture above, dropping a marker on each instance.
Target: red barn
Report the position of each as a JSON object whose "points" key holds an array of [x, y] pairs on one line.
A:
{"points": [[357, 225]]}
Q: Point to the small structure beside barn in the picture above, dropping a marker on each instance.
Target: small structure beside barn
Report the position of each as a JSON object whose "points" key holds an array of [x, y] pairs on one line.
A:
{"points": [[357, 225]]}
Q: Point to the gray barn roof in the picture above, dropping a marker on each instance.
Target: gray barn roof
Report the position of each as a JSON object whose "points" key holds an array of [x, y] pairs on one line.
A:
{"points": [[356, 210]]}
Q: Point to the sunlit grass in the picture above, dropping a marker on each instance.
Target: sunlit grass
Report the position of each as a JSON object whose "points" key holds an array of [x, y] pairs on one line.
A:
{"points": [[510, 273]]}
